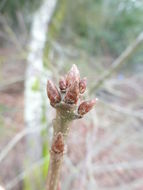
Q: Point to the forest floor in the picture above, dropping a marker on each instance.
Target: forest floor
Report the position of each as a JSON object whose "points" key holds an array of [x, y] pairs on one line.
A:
{"points": [[12, 73]]}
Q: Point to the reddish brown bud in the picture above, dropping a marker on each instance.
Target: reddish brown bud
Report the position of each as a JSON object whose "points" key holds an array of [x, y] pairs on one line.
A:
{"points": [[75, 70], [53, 93], [62, 84], [72, 94], [82, 85], [73, 75], [58, 143], [86, 106]]}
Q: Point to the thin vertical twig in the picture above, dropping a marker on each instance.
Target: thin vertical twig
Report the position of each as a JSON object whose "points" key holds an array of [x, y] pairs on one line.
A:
{"points": [[65, 102]]}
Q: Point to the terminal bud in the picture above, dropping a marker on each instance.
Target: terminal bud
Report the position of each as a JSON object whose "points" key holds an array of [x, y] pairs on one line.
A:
{"points": [[62, 84], [72, 94]]}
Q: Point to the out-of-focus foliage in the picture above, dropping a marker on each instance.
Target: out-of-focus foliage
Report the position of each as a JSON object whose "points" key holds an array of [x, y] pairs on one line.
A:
{"points": [[93, 25], [96, 26], [10, 9]]}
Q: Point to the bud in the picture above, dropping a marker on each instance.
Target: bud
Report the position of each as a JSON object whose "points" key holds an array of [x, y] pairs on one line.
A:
{"points": [[73, 75], [82, 85], [86, 106], [58, 143], [62, 84], [75, 70], [53, 93], [72, 94]]}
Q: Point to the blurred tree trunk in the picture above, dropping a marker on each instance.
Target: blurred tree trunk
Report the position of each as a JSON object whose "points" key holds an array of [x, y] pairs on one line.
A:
{"points": [[36, 76], [45, 29]]}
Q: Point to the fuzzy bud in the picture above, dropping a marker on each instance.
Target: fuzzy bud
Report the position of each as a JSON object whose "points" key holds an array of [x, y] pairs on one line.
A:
{"points": [[72, 94], [53, 93], [58, 143], [86, 106], [73, 75], [62, 84], [82, 85]]}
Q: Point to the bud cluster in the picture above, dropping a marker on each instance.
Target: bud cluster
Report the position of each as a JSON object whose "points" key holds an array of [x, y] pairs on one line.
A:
{"points": [[71, 88]]}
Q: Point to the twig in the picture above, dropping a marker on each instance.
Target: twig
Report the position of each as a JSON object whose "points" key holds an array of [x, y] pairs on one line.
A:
{"points": [[119, 61], [67, 110], [126, 111], [117, 166], [16, 139]]}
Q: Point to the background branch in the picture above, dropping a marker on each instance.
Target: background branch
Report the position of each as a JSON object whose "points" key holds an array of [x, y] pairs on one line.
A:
{"points": [[16, 139], [129, 51]]}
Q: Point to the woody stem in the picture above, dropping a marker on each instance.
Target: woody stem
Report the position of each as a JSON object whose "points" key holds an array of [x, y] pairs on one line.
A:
{"points": [[60, 125], [54, 171]]}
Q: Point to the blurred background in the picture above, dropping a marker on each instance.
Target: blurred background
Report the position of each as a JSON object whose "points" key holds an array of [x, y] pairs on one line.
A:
{"points": [[40, 40]]}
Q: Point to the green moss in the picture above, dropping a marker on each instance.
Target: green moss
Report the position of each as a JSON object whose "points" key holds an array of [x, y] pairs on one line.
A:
{"points": [[36, 85]]}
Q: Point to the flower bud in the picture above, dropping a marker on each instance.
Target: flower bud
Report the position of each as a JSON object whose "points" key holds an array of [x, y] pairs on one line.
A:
{"points": [[58, 143], [73, 75], [53, 93], [82, 85], [72, 94], [86, 106], [62, 84]]}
